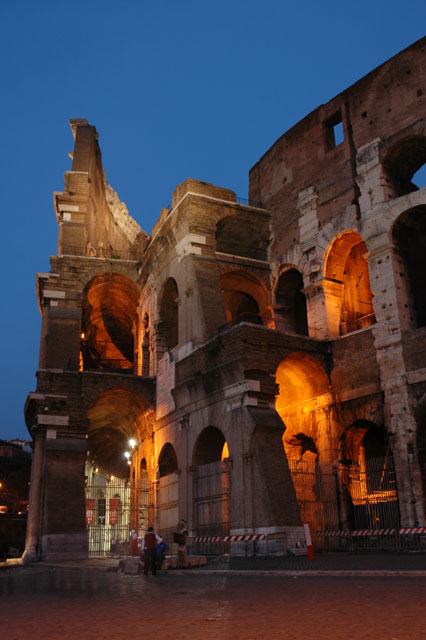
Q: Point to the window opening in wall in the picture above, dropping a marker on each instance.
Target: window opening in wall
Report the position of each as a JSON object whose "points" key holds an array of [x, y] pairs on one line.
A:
{"points": [[419, 178], [405, 165], [334, 130]]}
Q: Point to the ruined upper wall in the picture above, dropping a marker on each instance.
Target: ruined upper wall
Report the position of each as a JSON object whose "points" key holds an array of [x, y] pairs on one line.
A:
{"points": [[91, 218], [386, 105]]}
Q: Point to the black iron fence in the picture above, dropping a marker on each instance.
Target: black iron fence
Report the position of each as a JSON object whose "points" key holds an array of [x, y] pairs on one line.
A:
{"points": [[100, 252], [250, 203]]}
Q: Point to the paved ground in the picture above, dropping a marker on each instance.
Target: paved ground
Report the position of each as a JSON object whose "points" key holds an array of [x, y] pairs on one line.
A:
{"points": [[82, 602]]}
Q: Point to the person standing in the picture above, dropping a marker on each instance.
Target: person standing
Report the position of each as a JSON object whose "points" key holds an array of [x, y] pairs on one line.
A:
{"points": [[149, 541], [180, 538]]}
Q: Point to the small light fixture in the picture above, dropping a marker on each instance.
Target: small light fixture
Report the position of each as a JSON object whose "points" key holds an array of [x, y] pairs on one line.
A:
{"points": [[128, 462], [132, 442], [127, 454]]}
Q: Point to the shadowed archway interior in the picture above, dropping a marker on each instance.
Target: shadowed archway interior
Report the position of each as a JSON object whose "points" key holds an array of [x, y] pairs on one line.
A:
{"points": [[115, 417]]}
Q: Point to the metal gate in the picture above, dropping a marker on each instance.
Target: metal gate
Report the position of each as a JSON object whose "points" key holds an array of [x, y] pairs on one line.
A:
{"points": [[167, 504], [211, 494], [115, 510], [338, 497], [315, 485]]}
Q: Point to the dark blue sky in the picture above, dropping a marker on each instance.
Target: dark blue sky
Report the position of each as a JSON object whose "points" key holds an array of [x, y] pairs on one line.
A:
{"points": [[175, 90]]}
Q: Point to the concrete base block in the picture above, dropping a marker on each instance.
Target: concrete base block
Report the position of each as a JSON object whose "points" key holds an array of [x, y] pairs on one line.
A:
{"points": [[131, 565], [64, 546]]}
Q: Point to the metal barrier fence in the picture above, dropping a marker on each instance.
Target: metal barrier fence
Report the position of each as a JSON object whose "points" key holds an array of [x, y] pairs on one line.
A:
{"points": [[396, 540], [244, 545]]}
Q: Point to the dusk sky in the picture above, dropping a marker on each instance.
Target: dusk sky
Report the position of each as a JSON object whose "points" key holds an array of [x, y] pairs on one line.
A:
{"points": [[175, 90]]}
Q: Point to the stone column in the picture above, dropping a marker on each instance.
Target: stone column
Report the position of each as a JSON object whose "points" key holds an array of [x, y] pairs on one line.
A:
{"points": [[63, 525], [399, 418], [32, 546]]}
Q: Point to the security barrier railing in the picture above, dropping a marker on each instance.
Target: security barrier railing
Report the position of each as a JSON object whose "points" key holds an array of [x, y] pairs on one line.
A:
{"points": [[413, 539], [82, 251]]}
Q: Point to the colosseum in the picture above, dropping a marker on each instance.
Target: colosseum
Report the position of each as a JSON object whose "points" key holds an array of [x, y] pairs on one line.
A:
{"points": [[254, 365]]}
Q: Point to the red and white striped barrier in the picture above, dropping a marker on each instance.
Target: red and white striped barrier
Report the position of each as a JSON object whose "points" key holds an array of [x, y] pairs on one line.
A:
{"points": [[373, 532], [259, 536], [357, 533], [333, 534]]}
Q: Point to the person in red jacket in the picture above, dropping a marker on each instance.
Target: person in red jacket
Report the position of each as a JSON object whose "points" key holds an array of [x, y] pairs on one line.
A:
{"points": [[149, 541]]}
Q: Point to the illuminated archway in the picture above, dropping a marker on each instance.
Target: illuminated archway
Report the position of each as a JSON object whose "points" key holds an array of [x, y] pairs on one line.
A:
{"points": [[109, 323], [409, 234], [368, 478], [347, 285], [305, 404], [245, 297], [210, 459], [115, 417], [302, 403], [119, 419]]}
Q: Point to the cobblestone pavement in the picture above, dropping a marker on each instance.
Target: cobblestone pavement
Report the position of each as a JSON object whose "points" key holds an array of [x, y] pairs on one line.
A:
{"points": [[82, 603]]}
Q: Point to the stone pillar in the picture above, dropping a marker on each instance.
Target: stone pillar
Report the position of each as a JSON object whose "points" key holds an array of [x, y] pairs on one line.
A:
{"points": [[32, 546], [400, 422], [63, 525]]}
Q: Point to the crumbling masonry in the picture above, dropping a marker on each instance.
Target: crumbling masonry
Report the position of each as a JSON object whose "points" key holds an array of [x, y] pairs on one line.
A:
{"points": [[244, 345]]}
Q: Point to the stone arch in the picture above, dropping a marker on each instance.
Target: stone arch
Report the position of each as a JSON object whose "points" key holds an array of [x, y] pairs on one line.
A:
{"points": [[237, 236], [290, 314], [367, 476], [210, 459], [347, 285], [303, 404], [246, 298], [169, 314], [306, 407], [209, 446], [409, 238], [109, 323], [403, 161], [115, 416], [167, 461], [363, 441]]}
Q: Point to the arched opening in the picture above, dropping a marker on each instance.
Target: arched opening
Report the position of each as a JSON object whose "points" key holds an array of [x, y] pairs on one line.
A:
{"points": [[146, 347], [421, 441], [211, 483], [142, 495], [167, 491], [245, 297], [290, 304], [169, 314], [405, 165], [109, 323], [349, 303], [304, 404], [368, 478], [409, 237], [238, 237], [167, 461], [114, 504]]}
